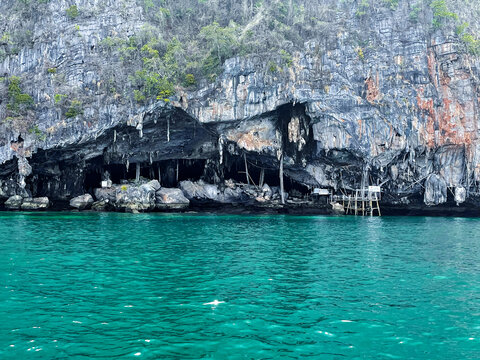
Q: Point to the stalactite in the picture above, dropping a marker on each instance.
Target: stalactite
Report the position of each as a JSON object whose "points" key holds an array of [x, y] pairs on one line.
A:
{"points": [[177, 171], [220, 149], [137, 172], [168, 129]]}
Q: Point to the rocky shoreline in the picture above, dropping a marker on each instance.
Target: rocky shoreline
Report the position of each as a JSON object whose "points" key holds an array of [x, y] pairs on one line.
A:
{"points": [[229, 197]]}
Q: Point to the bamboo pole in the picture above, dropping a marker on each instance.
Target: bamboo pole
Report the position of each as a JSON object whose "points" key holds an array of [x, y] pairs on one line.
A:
{"points": [[246, 168], [281, 179], [356, 197]]}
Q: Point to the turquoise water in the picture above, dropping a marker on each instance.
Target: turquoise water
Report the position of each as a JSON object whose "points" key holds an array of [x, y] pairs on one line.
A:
{"points": [[156, 286]]}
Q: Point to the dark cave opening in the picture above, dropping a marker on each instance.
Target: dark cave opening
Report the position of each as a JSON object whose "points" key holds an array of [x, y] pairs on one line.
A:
{"points": [[168, 172], [93, 176], [286, 114], [117, 172], [176, 170], [235, 169]]}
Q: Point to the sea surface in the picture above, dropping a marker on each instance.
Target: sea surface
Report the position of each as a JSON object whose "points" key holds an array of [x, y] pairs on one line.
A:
{"points": [[173, 286]]}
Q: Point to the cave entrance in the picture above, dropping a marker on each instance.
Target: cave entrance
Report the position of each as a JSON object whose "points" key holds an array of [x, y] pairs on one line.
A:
{"points": [[168, 172], [234, 169], [118, 172], [176, 170], [294, 123], [295, 188], [93, 176]]}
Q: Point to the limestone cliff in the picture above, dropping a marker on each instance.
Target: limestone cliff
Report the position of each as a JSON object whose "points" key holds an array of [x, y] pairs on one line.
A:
{"points": [[383, 98]]}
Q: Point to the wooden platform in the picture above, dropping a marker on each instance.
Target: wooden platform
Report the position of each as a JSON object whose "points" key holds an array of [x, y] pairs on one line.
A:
{"points": [[362, 202]]}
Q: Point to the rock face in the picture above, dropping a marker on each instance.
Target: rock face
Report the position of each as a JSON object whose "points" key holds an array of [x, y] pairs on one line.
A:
{"points": [[435, 190], [82, 202], [398, 108], [338, 209], [133, 198]]}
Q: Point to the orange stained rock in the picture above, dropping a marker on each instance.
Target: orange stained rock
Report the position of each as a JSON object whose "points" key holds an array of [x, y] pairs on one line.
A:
{"points": [[431, 67], [373, 91], [251, 140], [426, 105]]}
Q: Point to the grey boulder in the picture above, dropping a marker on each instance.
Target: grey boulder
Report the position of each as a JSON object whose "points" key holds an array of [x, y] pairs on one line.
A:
{"points": [[14, 202], [39, 203], [82, 202], [170, 198]]}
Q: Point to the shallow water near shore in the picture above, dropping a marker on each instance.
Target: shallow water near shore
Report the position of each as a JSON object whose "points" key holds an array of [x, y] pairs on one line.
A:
{"points": [[187, 286]]}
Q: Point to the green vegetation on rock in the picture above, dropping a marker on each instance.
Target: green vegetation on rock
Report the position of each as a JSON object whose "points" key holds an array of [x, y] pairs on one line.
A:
{"points": [[75, 109], [18, 101], [72, 12]]}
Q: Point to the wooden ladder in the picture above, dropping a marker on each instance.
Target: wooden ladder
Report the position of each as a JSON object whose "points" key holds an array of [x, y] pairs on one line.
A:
{"points": [[374, 205]]}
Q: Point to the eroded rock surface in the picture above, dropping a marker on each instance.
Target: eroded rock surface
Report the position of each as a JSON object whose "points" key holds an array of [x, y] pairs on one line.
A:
{"points": [[400, 111], [168, 198], [82, 202]]}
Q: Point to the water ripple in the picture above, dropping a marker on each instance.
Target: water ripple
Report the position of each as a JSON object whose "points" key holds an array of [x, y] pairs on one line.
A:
{"points": [[78, 285]]}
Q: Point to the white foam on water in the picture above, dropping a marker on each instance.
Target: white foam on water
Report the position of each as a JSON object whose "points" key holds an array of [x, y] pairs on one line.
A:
{"points": [[11, 345], [326, 333], [137, 354], [128, 306], [346, 321], [214, 303], [76, 322], [471, 338], [147, 340]]}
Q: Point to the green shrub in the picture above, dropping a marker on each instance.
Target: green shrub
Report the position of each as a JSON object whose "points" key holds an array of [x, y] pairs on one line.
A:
{"points": [[190, 80], [18, 102], [392, 4], [441, 13], [52, 70], [139, 96], [473, 45], [37, 132], [286, 57], [75, 109], [362, 8], [72, 12], [360, 53], [272, 67], [414, 12], [59, 98]]}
